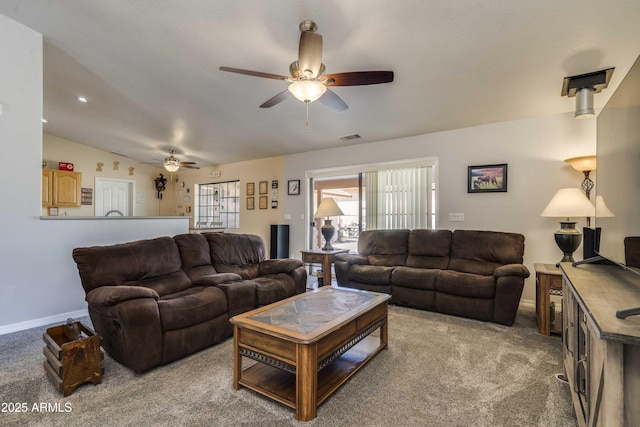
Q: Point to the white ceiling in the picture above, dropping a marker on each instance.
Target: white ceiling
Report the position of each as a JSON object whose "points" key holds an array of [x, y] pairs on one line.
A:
{"points": [[150, 68]]}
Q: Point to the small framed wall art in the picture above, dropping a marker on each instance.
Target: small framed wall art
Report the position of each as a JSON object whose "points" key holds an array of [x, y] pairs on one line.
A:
{"points": [[487, 178], [294, 187], [263, 202], [251, 189], [263, 187], [251, 203]]}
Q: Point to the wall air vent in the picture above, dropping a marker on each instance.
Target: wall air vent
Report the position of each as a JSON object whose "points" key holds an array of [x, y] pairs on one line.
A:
{"points": [[350, 137]]}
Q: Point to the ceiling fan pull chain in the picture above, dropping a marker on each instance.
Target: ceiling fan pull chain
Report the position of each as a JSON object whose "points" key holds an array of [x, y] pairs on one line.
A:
{"points": [[307, 122]]}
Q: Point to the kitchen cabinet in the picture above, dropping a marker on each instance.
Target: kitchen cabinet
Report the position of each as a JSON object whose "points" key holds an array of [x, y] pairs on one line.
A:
{"points": [[61, 188]]}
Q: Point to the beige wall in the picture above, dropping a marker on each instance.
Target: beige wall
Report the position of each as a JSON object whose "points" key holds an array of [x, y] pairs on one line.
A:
{"points": [[533, 148], [255, 221], [85, 160]]}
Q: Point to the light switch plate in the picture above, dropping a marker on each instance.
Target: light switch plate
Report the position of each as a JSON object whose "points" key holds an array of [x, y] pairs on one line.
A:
{"points": [[456, 217]]}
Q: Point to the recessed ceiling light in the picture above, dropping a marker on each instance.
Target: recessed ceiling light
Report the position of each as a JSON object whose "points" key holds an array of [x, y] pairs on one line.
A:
{"points": [[45, 120], [82, 99]]}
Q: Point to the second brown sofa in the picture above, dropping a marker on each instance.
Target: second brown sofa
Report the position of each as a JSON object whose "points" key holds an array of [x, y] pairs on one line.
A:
{"points": [[475, 274]]}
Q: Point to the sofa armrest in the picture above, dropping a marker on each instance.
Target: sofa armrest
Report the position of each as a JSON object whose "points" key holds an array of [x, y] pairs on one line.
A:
{"points": [[519, 270], [275, 266], [353, 259], [217, 279], [112, 295]]}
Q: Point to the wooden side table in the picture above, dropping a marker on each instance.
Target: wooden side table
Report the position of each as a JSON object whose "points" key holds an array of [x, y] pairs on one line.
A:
{"points": [[326, 258], [548, 282]]}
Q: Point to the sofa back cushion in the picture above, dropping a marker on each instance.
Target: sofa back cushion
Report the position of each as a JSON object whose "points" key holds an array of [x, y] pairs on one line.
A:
{"points": [[237, 253], [481, 252], [429, 248], [152, 263], [195, 254], [384, 247]]}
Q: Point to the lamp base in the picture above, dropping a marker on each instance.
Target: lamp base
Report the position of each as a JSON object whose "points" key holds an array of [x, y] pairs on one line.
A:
{"points": [[328, 231], [568, 240]]}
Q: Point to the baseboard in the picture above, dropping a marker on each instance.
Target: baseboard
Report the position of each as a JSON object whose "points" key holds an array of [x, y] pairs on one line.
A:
{"points": [[35, 323], [529, 303]]}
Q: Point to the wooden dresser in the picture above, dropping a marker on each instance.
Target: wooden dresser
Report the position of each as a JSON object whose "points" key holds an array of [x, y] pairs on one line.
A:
{"points": [[602, 352]]}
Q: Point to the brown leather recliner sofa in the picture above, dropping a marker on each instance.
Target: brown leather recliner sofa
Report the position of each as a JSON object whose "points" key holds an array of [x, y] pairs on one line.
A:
{"points": [[158, 300], [475, 274]]}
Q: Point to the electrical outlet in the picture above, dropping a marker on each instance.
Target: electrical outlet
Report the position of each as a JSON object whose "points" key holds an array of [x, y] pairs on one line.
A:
{"points": [[456, 217]]}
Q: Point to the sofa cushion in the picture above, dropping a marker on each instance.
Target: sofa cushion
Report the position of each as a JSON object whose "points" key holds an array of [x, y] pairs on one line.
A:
{"points": [[274, 287], [195, 254], [236, 253], [465, 284], [190, 307], [429, 248], [414, 278], [372, 274], [384, 247], [217, 279], [140, 263], [481, 252]]}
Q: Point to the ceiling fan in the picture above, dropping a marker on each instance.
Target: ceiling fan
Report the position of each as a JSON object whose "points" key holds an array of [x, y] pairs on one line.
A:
{"points": [[308, 80], [172, 164]]}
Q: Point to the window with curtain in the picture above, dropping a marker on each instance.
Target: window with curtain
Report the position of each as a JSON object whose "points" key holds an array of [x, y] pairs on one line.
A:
{"points": [[398, 198]]}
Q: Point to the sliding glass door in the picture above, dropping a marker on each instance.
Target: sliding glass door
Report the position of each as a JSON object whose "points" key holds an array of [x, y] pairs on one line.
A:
{"points": [[382, 196]]}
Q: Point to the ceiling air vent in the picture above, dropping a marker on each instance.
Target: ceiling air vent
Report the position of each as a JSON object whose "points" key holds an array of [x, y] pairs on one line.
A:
{"points": [[350, 137]]}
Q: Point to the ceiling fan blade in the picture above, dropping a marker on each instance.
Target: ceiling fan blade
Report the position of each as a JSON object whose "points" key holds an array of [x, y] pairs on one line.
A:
{"points": [[282, 96], [253, 73], [358, 78], [310, 54], [189, 167], [333, 101], [187, 163]]}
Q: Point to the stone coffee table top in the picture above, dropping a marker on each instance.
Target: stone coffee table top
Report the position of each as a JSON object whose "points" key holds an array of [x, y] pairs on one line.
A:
{"points": [[313, 310]]}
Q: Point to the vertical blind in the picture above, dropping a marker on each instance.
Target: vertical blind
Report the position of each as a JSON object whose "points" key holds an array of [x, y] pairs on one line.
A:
{"points": [[398, 198]]}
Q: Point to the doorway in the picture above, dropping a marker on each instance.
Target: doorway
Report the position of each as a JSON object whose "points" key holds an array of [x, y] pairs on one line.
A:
{"points": [[114, 197]]}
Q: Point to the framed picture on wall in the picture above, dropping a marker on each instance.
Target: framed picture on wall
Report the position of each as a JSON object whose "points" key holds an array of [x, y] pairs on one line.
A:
{"points": [[263, 187], [487, 178], [263, 202], [294, 187], [250, 203], [251, 189]]}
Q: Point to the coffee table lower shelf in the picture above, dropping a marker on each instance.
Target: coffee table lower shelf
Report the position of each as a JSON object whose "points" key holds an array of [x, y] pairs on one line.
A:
{"points": [[280, 385]]}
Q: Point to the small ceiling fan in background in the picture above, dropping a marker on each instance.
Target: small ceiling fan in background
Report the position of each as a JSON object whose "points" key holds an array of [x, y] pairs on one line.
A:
{"points": [[308, 82], [172, 164]]}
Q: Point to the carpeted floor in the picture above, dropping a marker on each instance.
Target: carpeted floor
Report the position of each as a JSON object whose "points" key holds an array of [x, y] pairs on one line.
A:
{"points": [[438, 371]]}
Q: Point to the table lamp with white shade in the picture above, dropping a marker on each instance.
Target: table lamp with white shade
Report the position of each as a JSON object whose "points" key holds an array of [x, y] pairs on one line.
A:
{"points": [[328, 208], [568, 203]]}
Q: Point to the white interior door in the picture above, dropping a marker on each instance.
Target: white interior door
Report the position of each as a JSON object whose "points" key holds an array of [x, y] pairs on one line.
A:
{"points": [[114, 197]]}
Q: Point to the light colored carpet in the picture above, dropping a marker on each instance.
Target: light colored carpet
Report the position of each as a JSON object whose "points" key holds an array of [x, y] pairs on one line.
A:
{"points": [[438, 371]]}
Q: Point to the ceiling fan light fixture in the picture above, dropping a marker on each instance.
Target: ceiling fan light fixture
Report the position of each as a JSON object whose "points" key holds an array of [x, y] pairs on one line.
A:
{"points": [[171, 164], [307, 90]]}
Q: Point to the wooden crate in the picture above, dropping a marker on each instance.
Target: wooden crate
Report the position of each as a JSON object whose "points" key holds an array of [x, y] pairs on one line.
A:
{"points": [[72, 356]]}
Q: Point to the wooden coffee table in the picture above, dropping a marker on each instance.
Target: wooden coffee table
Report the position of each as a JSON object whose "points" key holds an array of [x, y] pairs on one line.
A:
{"points": [[308, 345]]}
